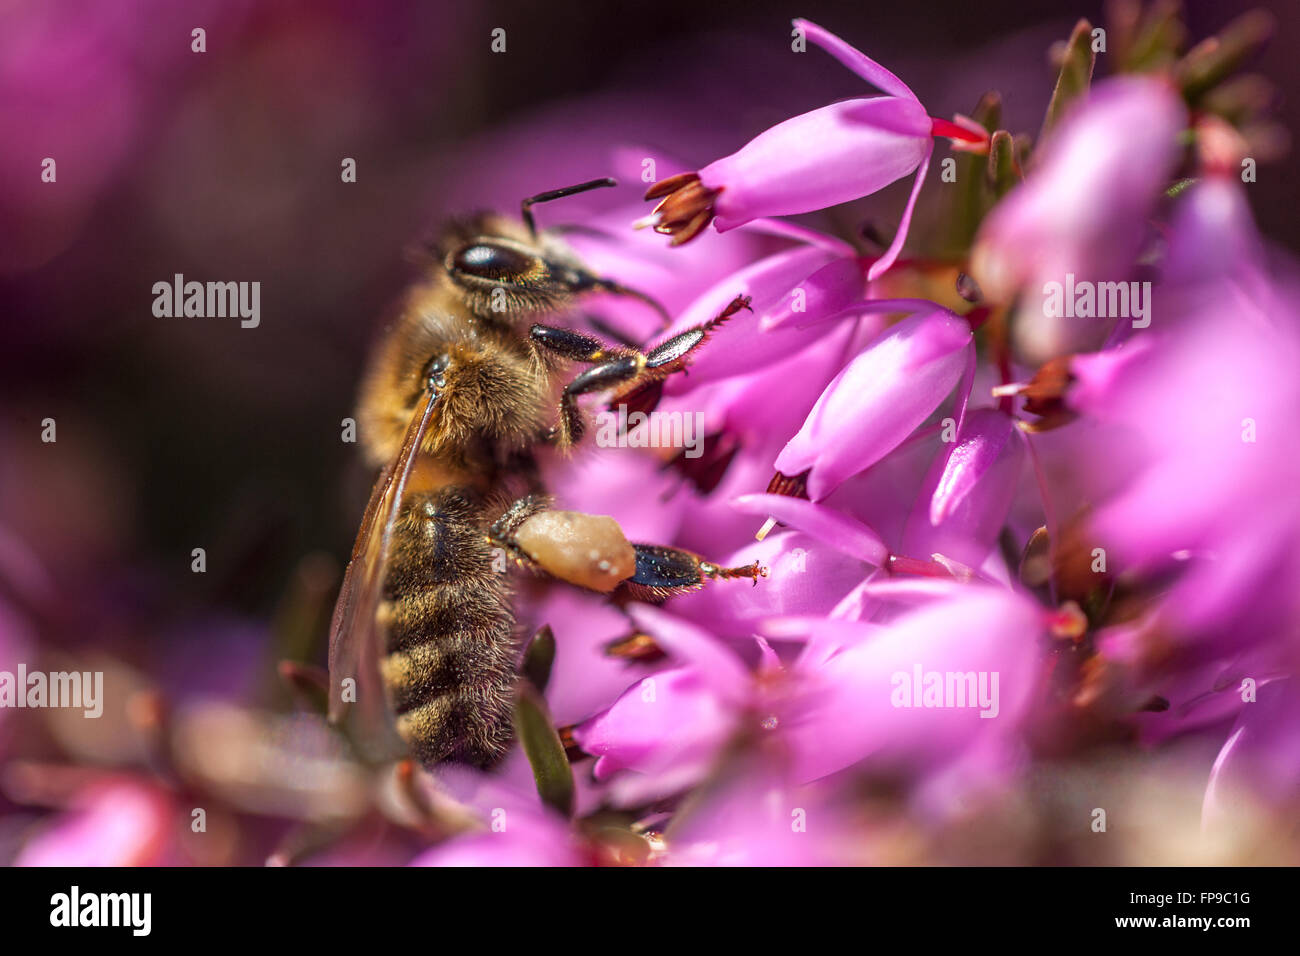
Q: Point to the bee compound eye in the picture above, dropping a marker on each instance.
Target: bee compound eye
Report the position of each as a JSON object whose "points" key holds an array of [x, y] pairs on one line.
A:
{"points": [[487, 260]]}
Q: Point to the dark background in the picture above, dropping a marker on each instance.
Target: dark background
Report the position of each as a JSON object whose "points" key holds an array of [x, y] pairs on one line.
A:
{"points": [[180, 433]]}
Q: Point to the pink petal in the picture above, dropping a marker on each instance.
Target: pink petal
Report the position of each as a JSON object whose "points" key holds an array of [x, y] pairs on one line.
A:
{"points": [[721, 669], [116, 823], [804, 577], [863, 145], [1260, 761], [879, 267], [584, 678], [785, 229], [874, 403], [809, 318], [967, 495], [988, 437], [850, 710], [829, 291], [738, 347], [821, 521], [855, 60], [667, 721], [517, 837]]}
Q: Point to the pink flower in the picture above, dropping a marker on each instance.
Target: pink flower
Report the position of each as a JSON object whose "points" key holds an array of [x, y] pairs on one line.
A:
{"points": [[821, 158], [839, 702], [528, 839], [968, 493], [1198, 420], [1084, 210], [827, 282], [879, 399], [119, 823], [754, 815], [807, 576], [852, 705], [1260, 761]]}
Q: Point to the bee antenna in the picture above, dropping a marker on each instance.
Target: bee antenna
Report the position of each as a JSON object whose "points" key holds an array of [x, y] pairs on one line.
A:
{"points": [[526, 207]]}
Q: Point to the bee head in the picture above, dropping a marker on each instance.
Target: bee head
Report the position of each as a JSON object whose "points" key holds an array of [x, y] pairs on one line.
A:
{"points": [[507, 268], [503, 275]]}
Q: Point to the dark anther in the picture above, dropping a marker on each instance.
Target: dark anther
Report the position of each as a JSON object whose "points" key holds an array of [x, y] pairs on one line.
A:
{"points": [[792, 486], [685, 209]]}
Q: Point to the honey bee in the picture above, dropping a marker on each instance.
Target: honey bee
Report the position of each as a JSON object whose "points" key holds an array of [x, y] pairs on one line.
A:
{"points": [[460, 393]]}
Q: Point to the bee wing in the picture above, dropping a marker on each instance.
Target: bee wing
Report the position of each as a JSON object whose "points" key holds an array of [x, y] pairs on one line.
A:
{"points": [[355, 639]]}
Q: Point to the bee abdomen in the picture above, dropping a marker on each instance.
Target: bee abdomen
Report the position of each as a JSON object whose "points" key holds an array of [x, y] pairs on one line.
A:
{"points": [[449, 667], [452, 694]]}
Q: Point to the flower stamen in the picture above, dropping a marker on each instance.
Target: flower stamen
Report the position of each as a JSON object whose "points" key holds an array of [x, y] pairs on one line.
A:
{"points": [[686, 207]]}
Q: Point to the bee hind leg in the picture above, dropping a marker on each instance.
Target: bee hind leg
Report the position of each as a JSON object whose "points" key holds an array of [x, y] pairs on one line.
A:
{"points": [[662, 571], [587, 550], [592, 552], [502, 533]]}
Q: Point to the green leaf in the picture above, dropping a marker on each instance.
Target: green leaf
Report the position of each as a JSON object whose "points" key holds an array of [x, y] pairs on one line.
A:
{"points": [[1075, 77], [1153, 40], [1210, 62], [1003, 171], [544, 749], [969, 198], [539, 657]]}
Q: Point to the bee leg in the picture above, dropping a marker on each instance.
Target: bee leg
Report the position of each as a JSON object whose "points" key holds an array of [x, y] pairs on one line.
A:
{"points": [[579, 348], [671, 356], [502, 532], [572, 345], [607, 376], [622, 372], [662, 572], [587, 550], [592, 552]]}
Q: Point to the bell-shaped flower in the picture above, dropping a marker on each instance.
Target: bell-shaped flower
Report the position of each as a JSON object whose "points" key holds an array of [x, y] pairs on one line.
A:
{"points": [[968, 493], [879, 399], [828, 156], [116, 822], [1084, 208], [919, 691], [1082, 215], [1258, 767]]}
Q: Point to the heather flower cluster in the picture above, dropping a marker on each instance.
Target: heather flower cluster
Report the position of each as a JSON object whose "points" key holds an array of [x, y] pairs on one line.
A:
{"points": [[993, 534], [1032, 573]]}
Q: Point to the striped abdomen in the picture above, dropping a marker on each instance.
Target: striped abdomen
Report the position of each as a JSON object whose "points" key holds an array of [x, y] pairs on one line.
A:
{"points": [[449, 666]]}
